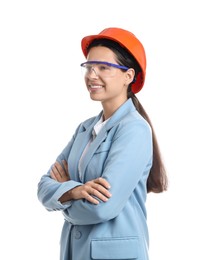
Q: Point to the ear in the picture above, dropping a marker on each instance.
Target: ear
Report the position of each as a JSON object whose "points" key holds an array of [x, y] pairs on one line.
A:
{"points": [[130, 73]]}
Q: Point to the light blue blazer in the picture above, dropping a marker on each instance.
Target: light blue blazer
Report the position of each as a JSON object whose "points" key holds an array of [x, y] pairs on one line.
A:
{"points": [[122, 154]]}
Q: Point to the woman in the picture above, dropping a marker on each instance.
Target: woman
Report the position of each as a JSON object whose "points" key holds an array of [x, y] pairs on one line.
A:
{"points": [[101, 178]]}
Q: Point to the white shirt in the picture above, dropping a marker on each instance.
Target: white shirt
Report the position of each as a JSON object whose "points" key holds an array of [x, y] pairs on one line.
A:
{"points": [[96, 129]]}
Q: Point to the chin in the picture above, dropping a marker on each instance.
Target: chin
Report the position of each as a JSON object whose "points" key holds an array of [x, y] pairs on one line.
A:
{"points": [[95, 98]]}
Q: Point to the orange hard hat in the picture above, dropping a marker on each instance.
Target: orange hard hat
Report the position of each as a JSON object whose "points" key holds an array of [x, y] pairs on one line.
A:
{"points": [[127, 40]]}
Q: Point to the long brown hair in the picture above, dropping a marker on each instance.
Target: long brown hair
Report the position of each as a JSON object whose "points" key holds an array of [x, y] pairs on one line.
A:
{"points": [[157, 181]]}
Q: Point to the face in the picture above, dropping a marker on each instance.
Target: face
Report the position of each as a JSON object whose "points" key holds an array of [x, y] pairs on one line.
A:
{"points": [[107, 86]]}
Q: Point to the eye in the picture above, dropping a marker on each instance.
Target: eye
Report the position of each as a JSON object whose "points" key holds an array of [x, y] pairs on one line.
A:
{"points": [[88, 67], [102, 67]]}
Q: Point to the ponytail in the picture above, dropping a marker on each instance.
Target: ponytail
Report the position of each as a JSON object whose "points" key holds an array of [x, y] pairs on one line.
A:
{"points": [[157, 181]]}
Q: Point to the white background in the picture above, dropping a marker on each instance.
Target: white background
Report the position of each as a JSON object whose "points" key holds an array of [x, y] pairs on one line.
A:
{"points": [[43, 99]]}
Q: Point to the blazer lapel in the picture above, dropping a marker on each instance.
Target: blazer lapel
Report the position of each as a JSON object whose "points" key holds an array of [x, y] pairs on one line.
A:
{"points": [[91, 150]]}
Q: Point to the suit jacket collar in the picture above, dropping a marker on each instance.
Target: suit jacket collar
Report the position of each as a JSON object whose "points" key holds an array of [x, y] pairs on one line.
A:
{"points": [[122, 111]]}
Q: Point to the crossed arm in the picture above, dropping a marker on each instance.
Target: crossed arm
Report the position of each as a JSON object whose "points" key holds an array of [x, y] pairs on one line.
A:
{"points": [[98, 188]]}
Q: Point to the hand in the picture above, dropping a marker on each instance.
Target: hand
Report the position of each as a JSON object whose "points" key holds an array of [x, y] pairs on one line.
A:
{"points": [[97, 188], [60, 172]]}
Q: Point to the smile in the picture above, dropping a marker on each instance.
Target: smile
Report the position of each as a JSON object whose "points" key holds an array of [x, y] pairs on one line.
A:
{"points": [[95, 86]]}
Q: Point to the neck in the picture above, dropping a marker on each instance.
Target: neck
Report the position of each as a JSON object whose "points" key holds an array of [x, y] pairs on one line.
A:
{"points": [[110, 108]]}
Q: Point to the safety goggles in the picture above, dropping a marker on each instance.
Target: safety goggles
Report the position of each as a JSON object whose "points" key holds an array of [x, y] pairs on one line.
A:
{"points": [[101, 68]]}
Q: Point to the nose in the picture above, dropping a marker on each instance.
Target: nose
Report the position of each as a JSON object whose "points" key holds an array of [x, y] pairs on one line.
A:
{"points": [[93, 73]]}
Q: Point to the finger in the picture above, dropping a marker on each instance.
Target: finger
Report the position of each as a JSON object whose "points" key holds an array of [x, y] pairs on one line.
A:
{"points": [[59, 173], [62, 170], [56, 172], [65, 166], [59, 168], [101, 189], [91, 199], [103, 182], [63, 174], [97, 191], [100, 195], [52, 175], [83, 192]]}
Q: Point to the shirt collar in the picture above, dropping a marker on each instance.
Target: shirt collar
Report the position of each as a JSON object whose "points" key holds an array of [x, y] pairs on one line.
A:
{"points": [[98, 126]]}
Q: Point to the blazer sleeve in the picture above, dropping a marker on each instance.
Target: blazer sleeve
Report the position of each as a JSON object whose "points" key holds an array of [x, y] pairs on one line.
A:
{"points": [[49, 191], [126, 169]]}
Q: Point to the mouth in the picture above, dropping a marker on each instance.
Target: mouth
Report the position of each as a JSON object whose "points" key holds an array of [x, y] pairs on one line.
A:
{"points": [[93, 88]]}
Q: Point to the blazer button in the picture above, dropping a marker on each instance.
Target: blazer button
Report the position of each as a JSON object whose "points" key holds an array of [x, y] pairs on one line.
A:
{"points": [[77, 235]]}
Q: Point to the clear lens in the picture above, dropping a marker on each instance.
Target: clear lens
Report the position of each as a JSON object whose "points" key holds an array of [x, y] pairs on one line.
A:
{"points": [[100, 68]]}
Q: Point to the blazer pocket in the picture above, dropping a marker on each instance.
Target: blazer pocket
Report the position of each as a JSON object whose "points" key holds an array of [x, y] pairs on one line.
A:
{"points": [[117, 248]]}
